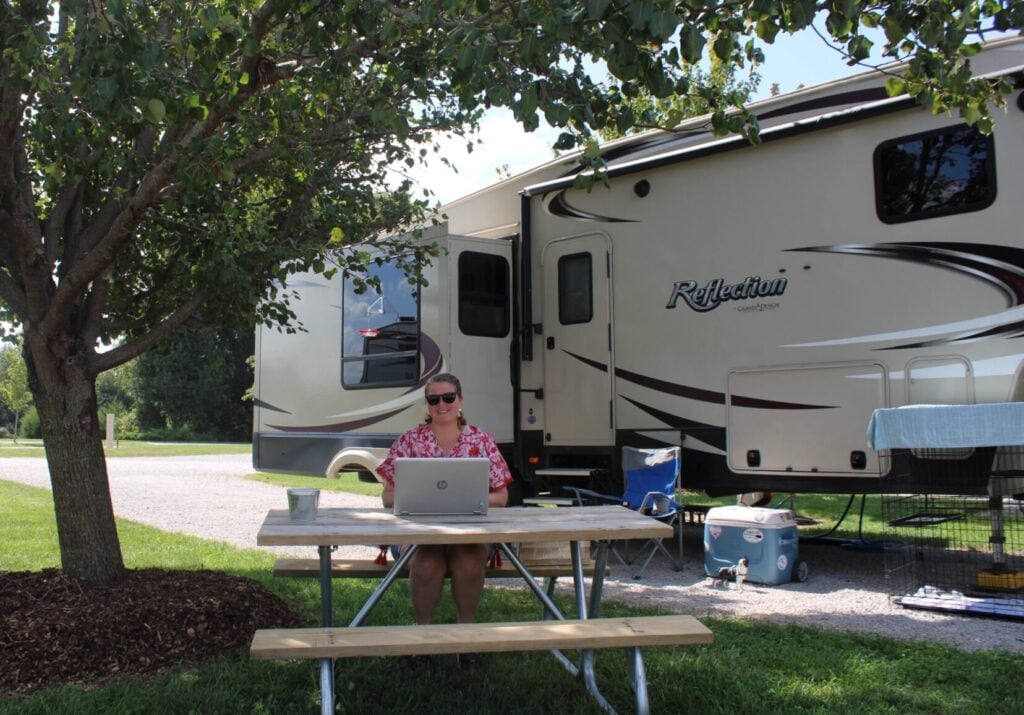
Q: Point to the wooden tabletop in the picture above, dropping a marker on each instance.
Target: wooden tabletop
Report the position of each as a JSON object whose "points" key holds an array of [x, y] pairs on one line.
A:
{"points": [[336, 527]]}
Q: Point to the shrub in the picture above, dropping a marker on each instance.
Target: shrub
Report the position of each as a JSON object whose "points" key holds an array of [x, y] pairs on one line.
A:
{"points": [[127, 425], [29, 427]]}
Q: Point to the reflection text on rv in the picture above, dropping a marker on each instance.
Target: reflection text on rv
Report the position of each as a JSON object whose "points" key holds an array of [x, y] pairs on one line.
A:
{"points": [[717, 291]]}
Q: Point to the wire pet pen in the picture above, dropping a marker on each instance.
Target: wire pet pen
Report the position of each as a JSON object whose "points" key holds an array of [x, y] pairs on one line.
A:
{"points": [[949, 561], [962, 536]]}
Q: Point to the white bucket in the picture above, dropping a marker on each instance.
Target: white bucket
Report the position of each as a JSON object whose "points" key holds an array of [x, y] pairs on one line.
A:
{"points": [[302, 504]]}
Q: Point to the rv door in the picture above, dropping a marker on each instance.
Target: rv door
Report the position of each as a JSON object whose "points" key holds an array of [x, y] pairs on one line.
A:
{"points": [[577, 341]]}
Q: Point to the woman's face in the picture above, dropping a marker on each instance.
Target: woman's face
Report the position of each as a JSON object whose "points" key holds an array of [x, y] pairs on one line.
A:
{"points": [[443, 412]]}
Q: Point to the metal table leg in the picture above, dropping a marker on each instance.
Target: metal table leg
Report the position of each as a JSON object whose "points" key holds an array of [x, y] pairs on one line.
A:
{"points": [[384, 585], [596, 588], [326, 664], [538, 591], [639, 681]]}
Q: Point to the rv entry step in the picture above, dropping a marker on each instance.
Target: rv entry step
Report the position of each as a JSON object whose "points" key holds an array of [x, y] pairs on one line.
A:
{"points": [[555, 478]]}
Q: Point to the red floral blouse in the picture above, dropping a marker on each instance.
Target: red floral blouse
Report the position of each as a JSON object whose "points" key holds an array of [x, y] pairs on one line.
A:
{"points": [[472, 442]]}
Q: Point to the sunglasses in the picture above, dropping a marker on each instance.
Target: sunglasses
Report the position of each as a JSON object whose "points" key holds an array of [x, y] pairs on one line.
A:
{"points": [[448, 397]]}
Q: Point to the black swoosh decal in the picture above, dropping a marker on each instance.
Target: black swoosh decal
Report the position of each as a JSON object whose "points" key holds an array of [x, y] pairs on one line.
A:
{"points": [[1000, 266], [343, 426], [267, 406], [714, 436], [696, 393], [558, 206], [433, 360]]}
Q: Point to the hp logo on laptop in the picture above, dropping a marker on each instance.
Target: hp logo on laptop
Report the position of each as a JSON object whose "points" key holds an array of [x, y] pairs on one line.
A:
{"points": [[442, 484]]}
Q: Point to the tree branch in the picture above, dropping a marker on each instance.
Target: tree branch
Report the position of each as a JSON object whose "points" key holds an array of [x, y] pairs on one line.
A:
{"points": [[127, 351], [127, 218], [95, 306], [11, 293], [122, 226]]}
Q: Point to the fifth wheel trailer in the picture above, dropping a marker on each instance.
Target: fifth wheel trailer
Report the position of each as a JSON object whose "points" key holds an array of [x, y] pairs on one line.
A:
{"points": [[751, 303]]}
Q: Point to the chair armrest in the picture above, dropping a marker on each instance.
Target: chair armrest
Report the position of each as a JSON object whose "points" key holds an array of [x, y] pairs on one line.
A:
{"points": [[660, 499], [580, 494]]}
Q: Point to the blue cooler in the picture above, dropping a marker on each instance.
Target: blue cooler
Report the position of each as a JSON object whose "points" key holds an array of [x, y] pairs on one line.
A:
{"points": [[767, 537]]}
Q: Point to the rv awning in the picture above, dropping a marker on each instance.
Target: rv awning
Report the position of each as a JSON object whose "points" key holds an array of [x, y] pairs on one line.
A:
{"points": [[922, 426]]}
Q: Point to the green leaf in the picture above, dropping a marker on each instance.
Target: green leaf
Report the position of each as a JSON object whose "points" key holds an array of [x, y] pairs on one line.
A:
{"points": [[839, 25], [859, 49], [894, 30], [895, 86], [466, 57], [767, 30], [155, 111], [663, 24], [970, 114], [723, 46], [692, 41], [528, 102], [970, 49], [597, 8]]}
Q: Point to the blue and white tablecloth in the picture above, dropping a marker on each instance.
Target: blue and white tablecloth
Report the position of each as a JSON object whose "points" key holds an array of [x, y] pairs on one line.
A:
{"points": [[922, 426]]}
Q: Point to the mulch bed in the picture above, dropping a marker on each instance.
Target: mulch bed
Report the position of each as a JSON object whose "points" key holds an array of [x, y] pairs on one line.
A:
{"points": [[56, 630]]}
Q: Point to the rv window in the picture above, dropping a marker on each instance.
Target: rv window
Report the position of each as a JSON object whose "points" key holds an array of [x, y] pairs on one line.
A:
{"points": [[483, 295], [936, 173], [575, 289], [380, 331]]}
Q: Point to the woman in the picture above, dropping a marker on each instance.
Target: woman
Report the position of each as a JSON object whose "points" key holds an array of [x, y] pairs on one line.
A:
{"points": [[446, 434]]}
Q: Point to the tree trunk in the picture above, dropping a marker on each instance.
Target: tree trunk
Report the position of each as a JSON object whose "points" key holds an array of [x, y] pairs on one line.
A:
{"points": [[65, 398]]}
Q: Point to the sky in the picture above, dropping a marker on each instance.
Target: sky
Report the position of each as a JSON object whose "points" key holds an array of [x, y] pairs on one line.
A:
{"points": [[800, 59]]}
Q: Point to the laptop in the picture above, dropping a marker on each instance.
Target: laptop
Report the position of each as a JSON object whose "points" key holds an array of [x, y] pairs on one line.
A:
{"points": [[441, 486]]}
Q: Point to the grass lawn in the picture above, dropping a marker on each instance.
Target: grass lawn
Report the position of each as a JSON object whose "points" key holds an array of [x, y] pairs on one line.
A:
{"points": [[346, 482], [841, 516], [130, 448], [751, 668]]}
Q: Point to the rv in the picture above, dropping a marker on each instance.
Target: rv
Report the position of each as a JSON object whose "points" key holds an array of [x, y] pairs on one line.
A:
{"points": [[751, 303]]}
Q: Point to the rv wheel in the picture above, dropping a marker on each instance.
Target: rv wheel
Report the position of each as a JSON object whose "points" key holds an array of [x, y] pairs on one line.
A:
{"points": [[800, 571]]}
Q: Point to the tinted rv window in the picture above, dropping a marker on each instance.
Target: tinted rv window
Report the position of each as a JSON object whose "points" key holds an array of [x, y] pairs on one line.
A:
{"points": [[483, 295], [380, 331], [575, 289], [937, 173]]}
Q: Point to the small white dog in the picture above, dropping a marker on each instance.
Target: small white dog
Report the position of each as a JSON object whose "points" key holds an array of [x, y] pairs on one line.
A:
{"points": [[737, 573]]}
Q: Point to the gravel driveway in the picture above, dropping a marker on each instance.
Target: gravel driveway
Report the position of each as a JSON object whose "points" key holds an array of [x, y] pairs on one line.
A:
{"points": [[207, 496]]}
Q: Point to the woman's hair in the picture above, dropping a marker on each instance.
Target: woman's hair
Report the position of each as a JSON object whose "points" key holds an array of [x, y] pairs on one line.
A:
{"points": [[450, 379]]}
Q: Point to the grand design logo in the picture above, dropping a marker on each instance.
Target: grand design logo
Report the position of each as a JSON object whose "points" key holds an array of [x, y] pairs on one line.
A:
{"points": [[717, 291]]}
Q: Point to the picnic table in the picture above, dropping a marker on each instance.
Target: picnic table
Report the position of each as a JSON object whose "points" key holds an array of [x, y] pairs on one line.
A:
{"points": [[504, 527]]}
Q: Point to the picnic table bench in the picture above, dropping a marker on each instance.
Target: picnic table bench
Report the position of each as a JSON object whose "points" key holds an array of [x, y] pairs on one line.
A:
{"points": [[368, 568], [440, 639]]}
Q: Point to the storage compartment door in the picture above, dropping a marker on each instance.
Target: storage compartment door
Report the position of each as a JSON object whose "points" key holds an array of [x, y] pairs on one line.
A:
{"points": [[804, 419]]}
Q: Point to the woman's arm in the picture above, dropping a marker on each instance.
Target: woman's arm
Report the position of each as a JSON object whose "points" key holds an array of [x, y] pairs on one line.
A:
{"points": [[498, 497], [388, 495]]}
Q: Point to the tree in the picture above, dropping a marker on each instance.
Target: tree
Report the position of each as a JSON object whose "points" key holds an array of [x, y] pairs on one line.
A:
{"points": [[718, 83], [14, 384], [193, 384], [172, 163]]}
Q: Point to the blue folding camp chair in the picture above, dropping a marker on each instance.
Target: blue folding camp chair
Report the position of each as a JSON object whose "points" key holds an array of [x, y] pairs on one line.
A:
{"points": [[651, 478]]}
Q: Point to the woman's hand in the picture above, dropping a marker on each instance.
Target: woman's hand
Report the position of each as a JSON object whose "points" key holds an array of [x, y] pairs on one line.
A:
{"points": [[388, 495]]}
